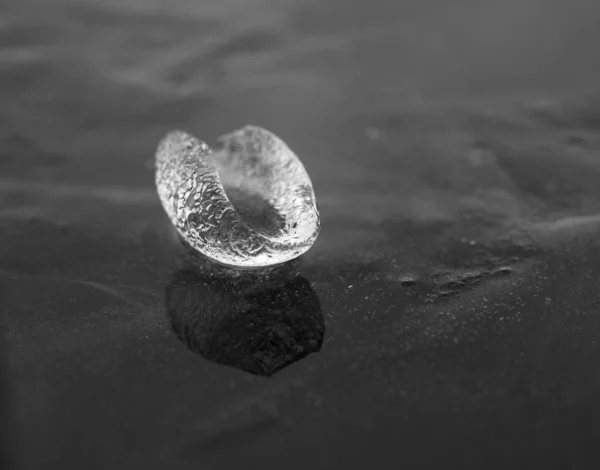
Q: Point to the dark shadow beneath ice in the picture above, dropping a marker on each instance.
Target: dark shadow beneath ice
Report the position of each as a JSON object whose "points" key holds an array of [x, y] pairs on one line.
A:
{"points": [[257, 324]]}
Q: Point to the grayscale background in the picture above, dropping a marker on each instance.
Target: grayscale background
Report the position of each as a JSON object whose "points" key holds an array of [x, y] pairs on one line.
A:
{"points": [[448, 316]]}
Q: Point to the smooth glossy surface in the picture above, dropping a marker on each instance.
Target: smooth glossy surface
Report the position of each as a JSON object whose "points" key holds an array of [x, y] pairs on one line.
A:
{"points": [[250, 203], [455, 151]]}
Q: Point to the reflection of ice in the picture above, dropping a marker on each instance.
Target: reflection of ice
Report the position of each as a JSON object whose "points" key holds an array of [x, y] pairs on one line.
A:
{"points": [[259, 325], [248, 203]]}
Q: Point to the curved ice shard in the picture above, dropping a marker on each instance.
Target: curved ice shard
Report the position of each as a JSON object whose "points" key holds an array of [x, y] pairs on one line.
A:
{"points": [[249, 202]]}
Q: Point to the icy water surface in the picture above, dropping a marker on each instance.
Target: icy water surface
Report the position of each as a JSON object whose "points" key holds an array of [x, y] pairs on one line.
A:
{"points": [[447, 315]]}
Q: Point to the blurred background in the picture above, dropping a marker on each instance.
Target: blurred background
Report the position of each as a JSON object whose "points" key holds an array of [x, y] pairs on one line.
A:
{"points": [[402, 95], [81, 75], [454, 151]]}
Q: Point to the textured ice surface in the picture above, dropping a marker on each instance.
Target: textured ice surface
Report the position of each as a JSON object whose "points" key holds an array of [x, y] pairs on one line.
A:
{"points": [[249, 202]]}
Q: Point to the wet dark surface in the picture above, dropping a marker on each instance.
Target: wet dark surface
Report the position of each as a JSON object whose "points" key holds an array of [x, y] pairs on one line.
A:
{"points": [[259, 325], [447, 316]]}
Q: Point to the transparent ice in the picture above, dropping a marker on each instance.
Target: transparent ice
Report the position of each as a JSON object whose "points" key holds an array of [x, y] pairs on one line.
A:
{"points": [[249, 202]]}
